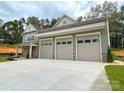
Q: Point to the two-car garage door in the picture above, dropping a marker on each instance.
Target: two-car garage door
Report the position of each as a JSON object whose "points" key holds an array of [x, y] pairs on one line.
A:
{"points": [[87, 48]]}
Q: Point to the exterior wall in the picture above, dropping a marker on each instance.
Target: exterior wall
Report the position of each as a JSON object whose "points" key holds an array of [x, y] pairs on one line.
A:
{"points": [[74, 46], [105, 43], [29, 37], [68, 21], [24, 51], [35, 51]]}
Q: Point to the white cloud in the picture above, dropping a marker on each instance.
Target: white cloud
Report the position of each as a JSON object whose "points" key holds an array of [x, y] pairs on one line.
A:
{"points": [[47, 9]]}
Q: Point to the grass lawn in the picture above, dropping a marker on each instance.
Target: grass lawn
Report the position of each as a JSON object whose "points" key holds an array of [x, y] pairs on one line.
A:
{"points": [[117, 49], [3, 58], [120, 59], [115, 75]]}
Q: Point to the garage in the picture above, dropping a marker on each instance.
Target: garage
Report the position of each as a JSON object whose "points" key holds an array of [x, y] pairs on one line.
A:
{"points": [[64, 48], [46, 49], [88, 48]]}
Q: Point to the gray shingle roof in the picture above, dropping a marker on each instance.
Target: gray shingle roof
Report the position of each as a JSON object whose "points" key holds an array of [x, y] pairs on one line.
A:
{"points": [[103, 19]]}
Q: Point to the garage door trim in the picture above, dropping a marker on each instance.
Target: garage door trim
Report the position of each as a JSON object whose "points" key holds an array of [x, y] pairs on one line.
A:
{"points": [[40, 44], [69, 36], [88, 34]]}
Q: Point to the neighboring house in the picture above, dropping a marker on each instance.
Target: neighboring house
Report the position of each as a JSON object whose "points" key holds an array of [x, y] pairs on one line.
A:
{"points": [[71, 40], [29, 40]]}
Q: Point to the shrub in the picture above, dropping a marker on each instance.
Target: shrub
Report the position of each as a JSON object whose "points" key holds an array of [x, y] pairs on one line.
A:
{"points": [[10, 58], [11, 54], [109, 55]]}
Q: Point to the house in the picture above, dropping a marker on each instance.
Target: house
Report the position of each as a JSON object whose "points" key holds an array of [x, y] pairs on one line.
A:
{"points": [[70, 40], [29, 40]]}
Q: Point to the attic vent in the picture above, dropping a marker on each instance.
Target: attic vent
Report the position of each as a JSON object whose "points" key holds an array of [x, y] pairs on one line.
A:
{"points": [[64, 22]]}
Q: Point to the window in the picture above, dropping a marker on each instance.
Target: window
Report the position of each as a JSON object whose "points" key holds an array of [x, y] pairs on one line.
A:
{"points": [[46, 43], [50, 43], [63, 43], [30, 38], [69, 42], [58, 43], [87, 41], [95, 40], [80, 41], [42, 44]]}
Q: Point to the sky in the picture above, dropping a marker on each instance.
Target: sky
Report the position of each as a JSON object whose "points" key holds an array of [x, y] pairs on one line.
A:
{"points": [[10, 10]]}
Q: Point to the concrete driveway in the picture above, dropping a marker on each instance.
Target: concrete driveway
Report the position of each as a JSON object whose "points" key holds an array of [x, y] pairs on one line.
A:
{"points": [[52, 75]]}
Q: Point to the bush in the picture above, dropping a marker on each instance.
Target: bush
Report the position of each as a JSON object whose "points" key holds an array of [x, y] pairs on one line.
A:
{"points": [[11, 54], [11, 58], [109, 55]]}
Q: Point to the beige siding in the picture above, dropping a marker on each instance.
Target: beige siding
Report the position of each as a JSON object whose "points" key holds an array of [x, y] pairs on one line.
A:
{"points": [[26, 37], [68, 21], [104, 40]]}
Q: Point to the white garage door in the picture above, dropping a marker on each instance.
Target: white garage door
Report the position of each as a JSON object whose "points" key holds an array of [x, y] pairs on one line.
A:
{"points": [[46, 49], [88, 48], [64, 48]]}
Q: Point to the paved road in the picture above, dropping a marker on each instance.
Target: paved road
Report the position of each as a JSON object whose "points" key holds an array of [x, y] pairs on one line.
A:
{"points": [[52, 75]]}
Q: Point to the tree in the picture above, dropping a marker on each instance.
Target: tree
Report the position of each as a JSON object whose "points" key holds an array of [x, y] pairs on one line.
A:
{"points": [[34, 21], [102, 10], [116, 26], [79, 19], [42, 23], [47, 23], [1, 22], [13, 31], [109, 55], [53, 22]]}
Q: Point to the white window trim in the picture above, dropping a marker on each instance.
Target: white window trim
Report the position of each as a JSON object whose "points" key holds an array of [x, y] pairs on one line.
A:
{"points": [[40, 44], [62, 37], [88, 34]]}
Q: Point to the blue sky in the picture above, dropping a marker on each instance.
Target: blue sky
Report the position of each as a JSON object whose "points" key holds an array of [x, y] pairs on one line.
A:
{"points": [[45, 9]]}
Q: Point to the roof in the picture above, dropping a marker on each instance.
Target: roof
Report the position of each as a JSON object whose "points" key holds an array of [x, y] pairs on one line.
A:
{"points": [[103, 19], [37, 27], [62, 18], [34, 26]]}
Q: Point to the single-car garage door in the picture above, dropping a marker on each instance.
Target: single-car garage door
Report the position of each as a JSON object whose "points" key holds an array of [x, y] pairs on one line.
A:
{"points": [[46, 49], [88, 48], [64, 48]]}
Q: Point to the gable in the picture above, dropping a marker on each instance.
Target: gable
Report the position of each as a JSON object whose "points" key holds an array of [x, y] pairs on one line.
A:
{"points": [[30, 28], [65, 20]]}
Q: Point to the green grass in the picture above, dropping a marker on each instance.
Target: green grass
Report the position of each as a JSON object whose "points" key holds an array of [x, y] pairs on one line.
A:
{"points": [[115, 74], [9, 45], [3, 58], [120, 59], [117, 49]]}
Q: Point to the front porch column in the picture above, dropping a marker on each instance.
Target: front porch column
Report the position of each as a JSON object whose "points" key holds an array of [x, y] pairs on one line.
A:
{"points": [[30, 51], [16, 54]]}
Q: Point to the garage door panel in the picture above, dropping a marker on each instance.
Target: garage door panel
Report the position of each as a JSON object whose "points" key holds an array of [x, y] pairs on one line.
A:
{"points": [[88, 48], [64, 48], [46, 50]]}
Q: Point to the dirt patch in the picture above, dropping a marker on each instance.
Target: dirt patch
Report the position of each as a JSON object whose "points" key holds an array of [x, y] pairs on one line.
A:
{"points": [[118, 53], [8, 49]]}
